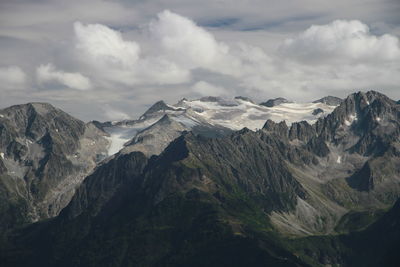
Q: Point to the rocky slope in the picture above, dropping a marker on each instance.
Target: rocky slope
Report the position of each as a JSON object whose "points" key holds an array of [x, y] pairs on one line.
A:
{"points": [[45, 153], [208, 116], [289, 194]]}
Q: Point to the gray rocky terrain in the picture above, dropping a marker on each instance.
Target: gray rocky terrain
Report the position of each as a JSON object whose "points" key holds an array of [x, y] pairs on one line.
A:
{"points": [[45, 154]]}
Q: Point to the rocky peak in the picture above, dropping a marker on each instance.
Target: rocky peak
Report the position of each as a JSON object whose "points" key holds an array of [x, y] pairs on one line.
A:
{"points": [[281, 129], [317, 111], [181, 102], [46, 153], [274, 102], [329, 100], [154, 139], [34, 120], [244, 98], [159, 106], [301, 131], [364, 121]]}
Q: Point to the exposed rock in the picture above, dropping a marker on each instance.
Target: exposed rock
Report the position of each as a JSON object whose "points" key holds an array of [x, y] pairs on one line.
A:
{"points": [[46, 153], [274, 102], [363, 179], [330, 100], [317, 111], [233, 191], [154, 139], [365, 122], [244, 98], [301, 131], [280, 128]]}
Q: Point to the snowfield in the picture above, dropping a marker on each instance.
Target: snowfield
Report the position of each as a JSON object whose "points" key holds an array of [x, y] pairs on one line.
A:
{"points": [[211, 111]]}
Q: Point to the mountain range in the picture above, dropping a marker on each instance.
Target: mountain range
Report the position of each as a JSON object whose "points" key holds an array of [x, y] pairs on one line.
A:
{"points": [[206, 182]]}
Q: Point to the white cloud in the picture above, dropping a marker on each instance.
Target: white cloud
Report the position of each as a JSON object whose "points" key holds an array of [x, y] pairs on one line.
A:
{"points": [[342, 40], [12, 78], [120, 61], [206, 89], [175, 48], [47, 74], [135, 62], [186, 43], [114, 114], [191, 46], [106, 46]]}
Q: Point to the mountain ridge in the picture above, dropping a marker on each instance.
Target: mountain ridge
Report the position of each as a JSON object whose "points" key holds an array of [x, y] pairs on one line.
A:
{"points": [[295, 194]]}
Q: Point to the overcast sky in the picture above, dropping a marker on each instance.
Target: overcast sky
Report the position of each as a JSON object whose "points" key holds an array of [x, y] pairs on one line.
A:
{"points": [[109, 60]]}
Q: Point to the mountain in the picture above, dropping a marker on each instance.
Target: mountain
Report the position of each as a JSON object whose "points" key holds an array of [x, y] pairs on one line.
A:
{"points": [[329, 100], [275, 102], [244, 98], [190, 206], [296, 194], [292, 193], [154, 139], [45, 154], [208, 116]]}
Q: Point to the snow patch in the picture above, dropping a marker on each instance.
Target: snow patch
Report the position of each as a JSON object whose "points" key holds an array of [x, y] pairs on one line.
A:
{"points": [[188, 122], [378, 119], [351, 119], [233, 114], [253, 116], [2, 155], [120, 135], [339, 160], [1, 116], [117, 142]]}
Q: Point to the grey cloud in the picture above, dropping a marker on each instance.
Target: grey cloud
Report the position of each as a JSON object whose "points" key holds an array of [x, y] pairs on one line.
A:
{"points": [[34, 33]]}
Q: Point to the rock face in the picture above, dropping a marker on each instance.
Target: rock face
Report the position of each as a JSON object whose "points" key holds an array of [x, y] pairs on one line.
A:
{"points": [[157, 108], [329, 100], [274, 102], [45, 154], [154, 139], [244, 98], [197, 185], [208, 116], [317, 111], [285, 195]]}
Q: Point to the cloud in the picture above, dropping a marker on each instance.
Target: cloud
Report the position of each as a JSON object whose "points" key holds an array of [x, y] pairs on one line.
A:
{"points": [[342, 40], [48, 74], [186, 43], [206, 89], [172, 53], [120, 61], [192, 47], [12, 78], [114, 114], [135, 55], [106, 46]]}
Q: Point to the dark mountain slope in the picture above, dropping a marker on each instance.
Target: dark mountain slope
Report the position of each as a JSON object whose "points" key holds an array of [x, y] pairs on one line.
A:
{"points": [[377, 245], [45, 153], [195, 204], [294, 195]]}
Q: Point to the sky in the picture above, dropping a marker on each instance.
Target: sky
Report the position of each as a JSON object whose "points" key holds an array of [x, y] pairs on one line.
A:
{"points": [[112, 59]]}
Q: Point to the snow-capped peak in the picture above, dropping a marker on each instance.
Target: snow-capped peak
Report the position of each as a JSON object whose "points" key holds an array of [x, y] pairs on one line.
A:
{"points": [[216, 112]]}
